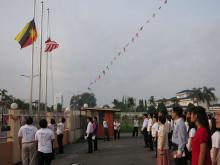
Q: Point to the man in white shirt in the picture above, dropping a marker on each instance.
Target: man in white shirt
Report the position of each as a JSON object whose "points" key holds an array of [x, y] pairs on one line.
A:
{"points": [[44, 137], [135, 127], [149, 126], [60, 132], [26, 138], [89, 134], [106, 133], [144, 130], [116, 125]]}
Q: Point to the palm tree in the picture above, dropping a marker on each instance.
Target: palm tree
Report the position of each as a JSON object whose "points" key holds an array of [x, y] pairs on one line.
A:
{"points": [[175, 100], [197, 95], [208, 95]]}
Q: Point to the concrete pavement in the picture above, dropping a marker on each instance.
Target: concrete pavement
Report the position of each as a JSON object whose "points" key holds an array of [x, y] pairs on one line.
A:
{"points": [[126, 151]]}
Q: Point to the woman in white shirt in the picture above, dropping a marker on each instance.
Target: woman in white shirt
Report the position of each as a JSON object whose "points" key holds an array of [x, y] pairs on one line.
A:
{"points": [[154, 132], [44, 137], [89, 134], [60, 133], [162, 144]]}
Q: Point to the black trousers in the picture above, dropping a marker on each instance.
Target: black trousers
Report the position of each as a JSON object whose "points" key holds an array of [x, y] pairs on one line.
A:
{"points": [[180, 161], [106, 134], [145, 137], [116, 134], [44, 158], [60, 143], [150, 141], [95, 142], [135, 131], [90, 150]]}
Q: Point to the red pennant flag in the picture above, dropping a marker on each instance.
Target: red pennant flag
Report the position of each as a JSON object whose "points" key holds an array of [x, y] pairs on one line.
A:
{"points": [[148, 21], [124, 49], [159, 8], [137, 35], [103, 72], [91, 83], [107, 67], [165, 2], [89, 89], [99, 77], [50, 45], [119, 53]]}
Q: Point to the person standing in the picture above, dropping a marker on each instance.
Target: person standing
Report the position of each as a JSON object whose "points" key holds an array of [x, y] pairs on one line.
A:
{"points": [[95, 130], [216, 141], [118, 128], [89, 134], [135, 127], [44, 137], [162, 145], [60, 132], [106, 133], [26, 138], [149, 126], [144, 130], [116, 125], [52, 126], [179, 137], [201, 142], [154, 132]]}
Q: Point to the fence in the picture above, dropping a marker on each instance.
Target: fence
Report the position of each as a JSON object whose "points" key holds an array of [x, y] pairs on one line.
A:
{"points": [[9, 147]]}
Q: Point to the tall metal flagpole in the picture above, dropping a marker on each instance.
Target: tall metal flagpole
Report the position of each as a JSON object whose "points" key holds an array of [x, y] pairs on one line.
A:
{"points": [[48, 35], [32, 69], [41, 42]]}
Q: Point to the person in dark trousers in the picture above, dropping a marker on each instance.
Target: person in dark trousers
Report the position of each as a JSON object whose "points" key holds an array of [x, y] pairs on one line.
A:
{"points": [[60, 132], [105, 126], [179, 137], [95, 130], [44, 137], [89, 134], [149, 126], [144, 130], [135, 127]]}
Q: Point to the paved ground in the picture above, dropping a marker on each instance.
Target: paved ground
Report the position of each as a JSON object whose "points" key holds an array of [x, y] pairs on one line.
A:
{"points": [[126, 151]]}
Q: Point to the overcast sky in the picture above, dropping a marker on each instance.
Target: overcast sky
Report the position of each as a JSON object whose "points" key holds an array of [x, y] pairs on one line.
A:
{"points": [[179, 49]]}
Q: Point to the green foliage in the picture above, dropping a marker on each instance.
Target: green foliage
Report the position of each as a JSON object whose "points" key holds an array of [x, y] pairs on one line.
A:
{"points": [[162, 108], [152, 110], [141, 107], [126, 125], [78, 101]]}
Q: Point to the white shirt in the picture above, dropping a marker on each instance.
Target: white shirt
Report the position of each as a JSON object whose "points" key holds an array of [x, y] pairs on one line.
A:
{"points": [[52, 127], [116, 125], [215, 143], [192, 133], [155, 129], [149, 125], [187, 126], [60, 128], [145, 123], [136, 123], [44, 136], [105, 124], [27, 133], [89, 129]]}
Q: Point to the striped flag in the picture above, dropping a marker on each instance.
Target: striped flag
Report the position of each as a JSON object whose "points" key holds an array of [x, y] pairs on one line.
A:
{"points": [[50, 45]]}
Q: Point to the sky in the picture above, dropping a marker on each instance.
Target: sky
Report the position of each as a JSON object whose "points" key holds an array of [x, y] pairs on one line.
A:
{"points": [[178, 50]]}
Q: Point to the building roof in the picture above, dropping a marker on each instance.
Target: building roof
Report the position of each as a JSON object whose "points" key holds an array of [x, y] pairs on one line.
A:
{"points": [[184, 91], [101, 109]]}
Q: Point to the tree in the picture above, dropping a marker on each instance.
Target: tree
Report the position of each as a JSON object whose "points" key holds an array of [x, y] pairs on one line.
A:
{"points": [[152, 110], [161, 107], [77, 101], [190, 107], [175, 100], [141, 107], [131, 103], [152, 101], [116, 103], [208, 95], [197, 95], [106, 106]]}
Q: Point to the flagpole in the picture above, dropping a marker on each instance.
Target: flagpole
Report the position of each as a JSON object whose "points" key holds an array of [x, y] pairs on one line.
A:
{"points": [[48, 35], [40, 74], [32, 69]]}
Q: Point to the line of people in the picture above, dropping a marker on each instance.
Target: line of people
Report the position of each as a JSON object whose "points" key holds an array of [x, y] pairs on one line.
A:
{"points": [[37, 145], [190, 138]]}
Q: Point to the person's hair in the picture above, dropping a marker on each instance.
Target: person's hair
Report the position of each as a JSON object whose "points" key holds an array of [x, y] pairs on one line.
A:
{"points": [[162, 119], [178, 110], [63, 120], [214, 128], [156, 117], [29, 120], [52, 121], [43, 123], [145, 115], [191, 125], [202, 119], [95, 118], [90, 119]]}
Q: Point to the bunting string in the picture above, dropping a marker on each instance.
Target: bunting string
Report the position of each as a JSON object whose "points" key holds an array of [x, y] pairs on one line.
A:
{"points": [[124, 49]]}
